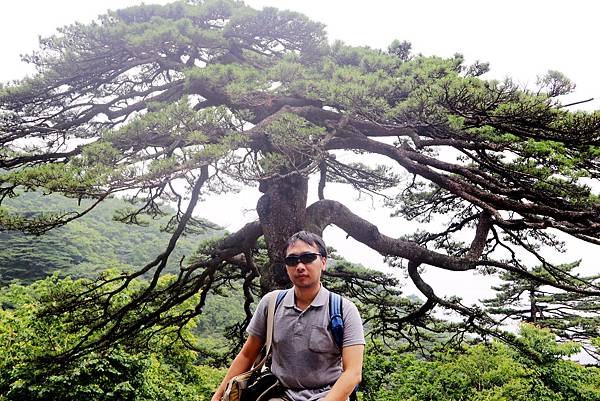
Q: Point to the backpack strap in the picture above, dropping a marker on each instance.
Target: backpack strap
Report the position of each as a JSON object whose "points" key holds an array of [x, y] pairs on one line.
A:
{"points": [[261, 360], [280, 296], [336, 318], [336, 322], [270, 318]]}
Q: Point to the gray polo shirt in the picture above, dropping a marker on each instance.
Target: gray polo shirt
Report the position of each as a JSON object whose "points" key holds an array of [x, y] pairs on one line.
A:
{"points": [[306, 359]]}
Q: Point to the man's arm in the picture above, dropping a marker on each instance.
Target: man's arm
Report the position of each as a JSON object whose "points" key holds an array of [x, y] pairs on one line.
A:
{"points": [[352, 358], [242, 363]]}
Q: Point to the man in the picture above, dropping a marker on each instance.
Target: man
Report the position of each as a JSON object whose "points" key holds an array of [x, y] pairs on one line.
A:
{"points": [[305, 357]]}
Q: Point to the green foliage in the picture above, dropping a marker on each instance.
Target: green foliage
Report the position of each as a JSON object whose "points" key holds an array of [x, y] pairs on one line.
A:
{"points": [[162, 369], [165, 370], [236, 81], [569, 316], [94, 243], [219, 314], [294, 141], [555, 83], [483, 372]]}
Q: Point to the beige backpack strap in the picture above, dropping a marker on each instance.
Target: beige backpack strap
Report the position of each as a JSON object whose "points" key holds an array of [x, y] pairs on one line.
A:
{"points": [[270, 319], [269, 334]]}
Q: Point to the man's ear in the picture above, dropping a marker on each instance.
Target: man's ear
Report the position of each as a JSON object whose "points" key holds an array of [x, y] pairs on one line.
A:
{"points": [[324, 261]]}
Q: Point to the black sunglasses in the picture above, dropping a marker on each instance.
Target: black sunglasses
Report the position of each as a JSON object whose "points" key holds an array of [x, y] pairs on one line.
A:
{"points": [[305, 258]]}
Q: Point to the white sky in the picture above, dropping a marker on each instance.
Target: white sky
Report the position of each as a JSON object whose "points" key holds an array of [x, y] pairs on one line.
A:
{"points": [[521, 39]]}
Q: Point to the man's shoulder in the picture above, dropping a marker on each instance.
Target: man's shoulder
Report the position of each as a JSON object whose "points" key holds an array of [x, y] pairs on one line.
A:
{"points": [[345, 302], [348, 307], [276, 295], [269, 294]]}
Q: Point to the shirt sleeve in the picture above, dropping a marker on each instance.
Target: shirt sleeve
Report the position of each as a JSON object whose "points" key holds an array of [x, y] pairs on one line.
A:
{"points": [[258, 324], [353, 328]]}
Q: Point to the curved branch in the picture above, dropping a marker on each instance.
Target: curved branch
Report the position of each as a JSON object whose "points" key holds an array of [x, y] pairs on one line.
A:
{"points": [[427, 290], [490, 198], [324, 212]]}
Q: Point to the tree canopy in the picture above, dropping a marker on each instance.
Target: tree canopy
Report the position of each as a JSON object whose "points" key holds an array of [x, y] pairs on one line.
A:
{"points": [[163, 369], [172, 103], [570, 316]]}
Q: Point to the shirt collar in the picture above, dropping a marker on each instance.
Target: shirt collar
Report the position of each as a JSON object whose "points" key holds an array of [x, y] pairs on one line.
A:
{"points": [[320, 300]]}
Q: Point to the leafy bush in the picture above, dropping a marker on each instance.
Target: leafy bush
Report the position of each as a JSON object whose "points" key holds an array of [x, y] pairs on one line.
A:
{"points": [[485, 372], [31, 342]]}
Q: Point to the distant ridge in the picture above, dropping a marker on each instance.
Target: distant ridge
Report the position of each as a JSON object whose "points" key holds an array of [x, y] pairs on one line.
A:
{"points": [[85, 246]]}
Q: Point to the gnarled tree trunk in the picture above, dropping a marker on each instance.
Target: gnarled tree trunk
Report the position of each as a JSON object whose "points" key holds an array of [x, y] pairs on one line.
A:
{"points": [[282, 212]]}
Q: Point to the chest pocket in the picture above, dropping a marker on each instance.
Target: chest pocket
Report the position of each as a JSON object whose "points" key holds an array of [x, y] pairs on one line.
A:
{"points": [[321, 340]]}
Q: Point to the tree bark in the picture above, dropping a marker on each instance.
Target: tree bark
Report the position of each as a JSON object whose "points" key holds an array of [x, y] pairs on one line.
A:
{"points": [[282, 212]]}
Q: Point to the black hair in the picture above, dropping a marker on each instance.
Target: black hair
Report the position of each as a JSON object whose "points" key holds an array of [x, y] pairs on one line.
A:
{"points": [[308, 237]]}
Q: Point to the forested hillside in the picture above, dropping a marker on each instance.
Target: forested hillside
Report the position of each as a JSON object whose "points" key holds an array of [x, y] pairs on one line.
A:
{"points": [[96, 242], [86, 245]]}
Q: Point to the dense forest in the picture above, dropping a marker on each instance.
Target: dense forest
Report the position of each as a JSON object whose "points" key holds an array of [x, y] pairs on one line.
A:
{"points": [[98, 242]]}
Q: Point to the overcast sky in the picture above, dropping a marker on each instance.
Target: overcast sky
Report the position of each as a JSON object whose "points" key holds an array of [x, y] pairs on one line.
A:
{"points": [[521, 39]]}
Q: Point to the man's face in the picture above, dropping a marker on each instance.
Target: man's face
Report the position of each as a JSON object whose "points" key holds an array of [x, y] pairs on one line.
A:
{"points": [[305, 275]]}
